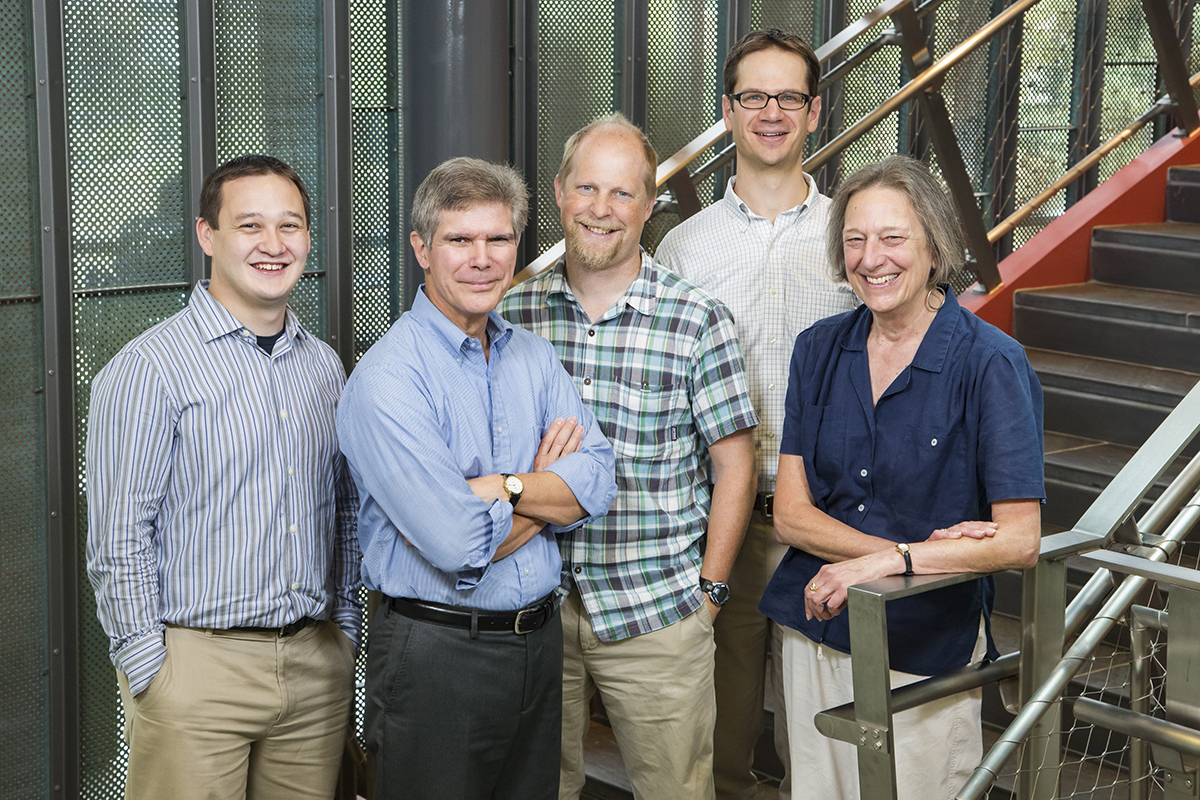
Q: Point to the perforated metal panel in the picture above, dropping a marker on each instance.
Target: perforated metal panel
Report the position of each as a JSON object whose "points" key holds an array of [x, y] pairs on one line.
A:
{"points": [[125, 115], [682, 91], [269, 100], [378, 241], [793, 17], [24, 659], [576, 49], [1130, 81]]}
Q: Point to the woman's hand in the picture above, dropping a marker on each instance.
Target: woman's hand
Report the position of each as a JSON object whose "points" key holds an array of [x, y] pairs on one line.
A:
{"points": [[825, 595], [973, 529]]}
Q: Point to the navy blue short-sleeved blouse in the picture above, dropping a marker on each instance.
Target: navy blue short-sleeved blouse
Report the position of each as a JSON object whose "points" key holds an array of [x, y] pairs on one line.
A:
{"points": [[959, 429]]}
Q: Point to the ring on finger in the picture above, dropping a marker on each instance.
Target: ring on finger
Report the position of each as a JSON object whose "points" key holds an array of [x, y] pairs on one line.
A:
{"points": [[812, 587]]}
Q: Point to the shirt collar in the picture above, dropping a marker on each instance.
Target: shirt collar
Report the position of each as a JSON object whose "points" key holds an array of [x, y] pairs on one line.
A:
{"points": [[931, 355], [739, 206], [216, 321], [424, 311], [642, 294]]}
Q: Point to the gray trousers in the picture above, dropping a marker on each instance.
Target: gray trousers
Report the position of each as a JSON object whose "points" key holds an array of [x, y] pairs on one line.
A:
{"points": [[448, 716]]}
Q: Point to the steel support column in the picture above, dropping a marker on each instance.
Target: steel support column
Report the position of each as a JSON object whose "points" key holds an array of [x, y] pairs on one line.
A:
{"points": [[337, 217], [525, 112], [1171, 63], [917, 58], [1087, 93], [635, 29], [872, 694], [58, 353], [200, 144], [830, 21], [456, 94]]}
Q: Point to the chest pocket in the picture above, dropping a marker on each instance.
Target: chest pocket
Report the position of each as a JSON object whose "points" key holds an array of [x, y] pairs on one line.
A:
{"points": [[644, 415], [939, 475]]}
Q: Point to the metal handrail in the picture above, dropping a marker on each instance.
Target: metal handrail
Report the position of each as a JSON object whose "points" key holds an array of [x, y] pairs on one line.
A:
{"points": [[1164, 103]]}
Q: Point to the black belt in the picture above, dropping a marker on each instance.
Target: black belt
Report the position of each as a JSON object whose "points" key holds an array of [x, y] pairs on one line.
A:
{"points": [[525, 620], [286, 630], [765, 503]]}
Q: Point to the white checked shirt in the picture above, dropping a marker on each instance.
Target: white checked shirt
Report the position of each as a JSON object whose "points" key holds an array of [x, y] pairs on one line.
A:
{"points": [[775, 279]]}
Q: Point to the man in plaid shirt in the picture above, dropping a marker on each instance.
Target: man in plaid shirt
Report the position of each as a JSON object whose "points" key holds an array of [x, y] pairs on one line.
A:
{"points": [[658, 362]]}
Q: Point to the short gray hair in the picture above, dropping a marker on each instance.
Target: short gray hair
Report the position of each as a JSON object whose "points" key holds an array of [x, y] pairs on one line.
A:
{"points": [[461, 183], [931, 204]]}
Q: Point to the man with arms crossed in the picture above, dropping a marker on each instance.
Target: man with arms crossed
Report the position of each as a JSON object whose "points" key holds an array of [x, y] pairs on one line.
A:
{"points": [[761, 250], [658, 362], [221, 516], [462, 436]]}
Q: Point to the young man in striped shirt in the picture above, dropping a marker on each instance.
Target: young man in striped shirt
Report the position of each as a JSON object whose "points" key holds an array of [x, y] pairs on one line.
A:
{"points": [[221, 517], [658, 363]]}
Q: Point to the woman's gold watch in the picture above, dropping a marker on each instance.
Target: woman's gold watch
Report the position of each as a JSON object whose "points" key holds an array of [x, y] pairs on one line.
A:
{"points": [[903, 550]]}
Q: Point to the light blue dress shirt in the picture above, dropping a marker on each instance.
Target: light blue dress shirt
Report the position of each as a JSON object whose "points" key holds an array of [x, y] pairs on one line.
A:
{"points": [[422, 413]]}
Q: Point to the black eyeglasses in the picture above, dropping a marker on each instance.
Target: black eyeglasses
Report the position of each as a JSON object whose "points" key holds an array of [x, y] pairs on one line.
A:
{"points": [[787, 101]]}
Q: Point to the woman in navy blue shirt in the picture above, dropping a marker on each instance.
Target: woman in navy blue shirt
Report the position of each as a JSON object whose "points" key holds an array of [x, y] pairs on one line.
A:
{"points": [[912, 444]]}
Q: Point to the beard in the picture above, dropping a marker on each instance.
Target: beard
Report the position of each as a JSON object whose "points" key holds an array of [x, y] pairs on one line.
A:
{"points": [[590, 256]]}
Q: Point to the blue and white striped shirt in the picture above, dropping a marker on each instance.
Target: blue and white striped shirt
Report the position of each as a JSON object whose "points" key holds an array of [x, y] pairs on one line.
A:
{"points": [[217, 496], [424, 412]]}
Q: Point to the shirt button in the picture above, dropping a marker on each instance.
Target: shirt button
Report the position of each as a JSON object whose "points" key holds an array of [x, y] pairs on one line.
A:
{"points": [[771, 340], [863, 473], [771, 387], [293, 529], [933, 443], [861, 506], [295, 586], [773, 292], [283, 414], [770, 434], [499, 429], [592, 332], [587, 381], [527, 570], [578, 570], [291, 471]]}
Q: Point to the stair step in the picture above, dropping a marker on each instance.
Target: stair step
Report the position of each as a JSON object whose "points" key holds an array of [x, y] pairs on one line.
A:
{"points": [[1139, 326], [1078, 469], [1183, 194], [1156, 255]]}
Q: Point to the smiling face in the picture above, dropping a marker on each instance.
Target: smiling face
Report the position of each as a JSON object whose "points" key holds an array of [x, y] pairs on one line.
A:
{"points": [[258, 249], [604, 202], [888, 262], [769, 137], [469, 264]]}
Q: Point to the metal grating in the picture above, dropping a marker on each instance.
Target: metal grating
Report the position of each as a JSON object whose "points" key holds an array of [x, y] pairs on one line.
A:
{"points": [[24, 688], [1130, 81], [124, 114], [378, 241], [682, 90], [577, 52], [269, 100], [794, 17]]}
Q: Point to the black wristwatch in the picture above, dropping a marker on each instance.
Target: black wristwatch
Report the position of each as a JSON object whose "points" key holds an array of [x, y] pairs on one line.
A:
{"points": [[902, 549], [717, 592]]}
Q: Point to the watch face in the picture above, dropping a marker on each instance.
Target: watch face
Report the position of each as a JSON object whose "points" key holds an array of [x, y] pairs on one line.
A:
{"points": [[719, 594], [513, 484]]}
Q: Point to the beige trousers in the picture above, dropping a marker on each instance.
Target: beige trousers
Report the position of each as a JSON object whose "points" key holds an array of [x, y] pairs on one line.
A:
{"points": [[937, 744], [233, 715], [657, 690], [743, 636]]}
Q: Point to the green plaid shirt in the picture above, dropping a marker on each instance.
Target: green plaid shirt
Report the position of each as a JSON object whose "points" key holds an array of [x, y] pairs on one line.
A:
{"points": [[662, 371]]}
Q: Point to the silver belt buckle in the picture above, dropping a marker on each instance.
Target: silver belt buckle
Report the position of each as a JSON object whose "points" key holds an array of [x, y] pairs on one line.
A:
{"points": [[517, 622]]}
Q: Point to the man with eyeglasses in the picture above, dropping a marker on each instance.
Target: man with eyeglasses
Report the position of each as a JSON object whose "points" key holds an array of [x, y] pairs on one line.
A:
{"points": [[761, 251]]}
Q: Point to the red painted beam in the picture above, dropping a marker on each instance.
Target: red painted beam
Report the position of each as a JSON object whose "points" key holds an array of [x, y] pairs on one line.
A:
{"points": [[1059, 253]]}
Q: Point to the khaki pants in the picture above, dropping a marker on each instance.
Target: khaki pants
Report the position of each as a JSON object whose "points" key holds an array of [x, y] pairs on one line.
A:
{"points": [[937, 744], [233, 714], [743, 636], [658, 692]]}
